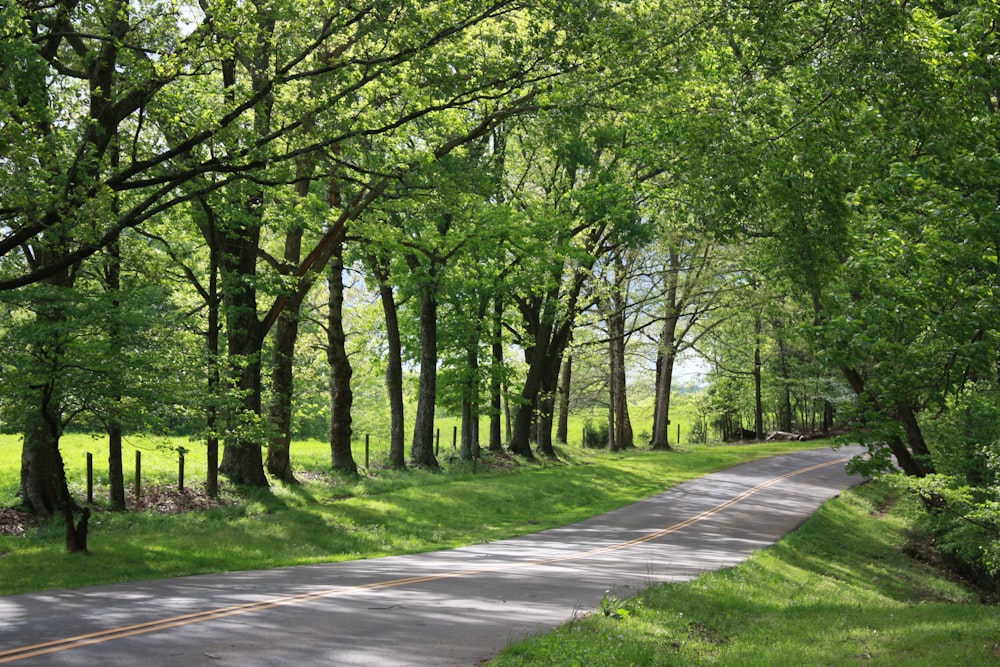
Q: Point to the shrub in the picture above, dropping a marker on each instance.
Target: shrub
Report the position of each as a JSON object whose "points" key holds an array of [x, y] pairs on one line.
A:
{"points": [[595, 437]]}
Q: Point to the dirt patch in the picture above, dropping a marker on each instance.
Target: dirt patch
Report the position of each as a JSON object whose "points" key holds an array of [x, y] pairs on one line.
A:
{"points": [[168, 499], [157, 499], [15, 522], [499, 461]]}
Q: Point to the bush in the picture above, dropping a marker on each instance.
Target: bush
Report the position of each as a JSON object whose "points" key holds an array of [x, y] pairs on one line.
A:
{"points": [[595, 437], [699, 431], [961, 523], [963, 497]]}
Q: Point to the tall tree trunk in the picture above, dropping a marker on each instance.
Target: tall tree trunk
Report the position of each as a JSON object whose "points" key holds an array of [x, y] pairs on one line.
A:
{"points": [[422, 449], [657, 369], [629, 432], [613, 397], [279, 414], [538, 394], [664, 386], [113, 280], [562, 427], [546, 410], [113, 426], [785, 421], [214, 377], [496, 378], [470, 406], [904, 457], [907, 416], [242, 459], [508, 416], [520, 439], [43, 478], [116, 471], [470, 431], [667, 354], [828, 414], [545, 426], [393, 373], [536, 410], [758, 412], [471, 394], [286, 333], [341, 395], [620, 429]]}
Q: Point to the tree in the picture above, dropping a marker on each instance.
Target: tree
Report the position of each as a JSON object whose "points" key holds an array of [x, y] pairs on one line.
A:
{"points": [[197, 267], [568, 168], [472, 286], [39, 217], [376, 172], [433, 233], [43, 482], [286, 331], [861, 167], [341, 394], [692, 282], [871, 192], [565, 385], [379, 268], [132, 360], [613, 304], [207, 97]]}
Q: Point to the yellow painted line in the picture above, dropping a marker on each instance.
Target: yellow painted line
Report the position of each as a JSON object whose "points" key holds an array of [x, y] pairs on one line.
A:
{"points": [[35, 650]]}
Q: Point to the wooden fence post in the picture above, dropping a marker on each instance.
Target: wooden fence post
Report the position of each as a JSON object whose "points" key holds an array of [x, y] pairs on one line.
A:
{"points": [[138, 474], [180, 469], [90, 478]]}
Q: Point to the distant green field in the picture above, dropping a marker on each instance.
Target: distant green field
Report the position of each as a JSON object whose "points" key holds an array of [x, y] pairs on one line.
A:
{"points": [[159, 455], [328, 516]]}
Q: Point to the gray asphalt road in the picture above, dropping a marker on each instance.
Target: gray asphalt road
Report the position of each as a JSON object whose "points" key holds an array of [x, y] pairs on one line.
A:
{"points": [[454, 607]]}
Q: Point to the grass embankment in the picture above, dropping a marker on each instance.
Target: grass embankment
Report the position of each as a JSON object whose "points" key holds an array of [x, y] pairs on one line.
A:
{"points": [[329, 518], [838, 591]]}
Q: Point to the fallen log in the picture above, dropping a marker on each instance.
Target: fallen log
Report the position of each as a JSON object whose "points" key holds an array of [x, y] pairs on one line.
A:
{"points": [[785, 435]]}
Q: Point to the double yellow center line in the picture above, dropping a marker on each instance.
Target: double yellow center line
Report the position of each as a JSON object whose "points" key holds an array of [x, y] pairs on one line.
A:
{"points": [[35, 650]]}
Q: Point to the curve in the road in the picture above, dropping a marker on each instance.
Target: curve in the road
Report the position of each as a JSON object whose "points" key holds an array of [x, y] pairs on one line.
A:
{"points": [[44, 648]]}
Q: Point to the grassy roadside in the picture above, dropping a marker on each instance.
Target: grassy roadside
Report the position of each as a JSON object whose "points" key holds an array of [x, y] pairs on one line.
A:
{"points": [[328, 518], [838, 591]]}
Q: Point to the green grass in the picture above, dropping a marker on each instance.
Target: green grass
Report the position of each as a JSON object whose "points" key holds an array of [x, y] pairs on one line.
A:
{"points": [[838, 591], [683, 415], [330, 518]]}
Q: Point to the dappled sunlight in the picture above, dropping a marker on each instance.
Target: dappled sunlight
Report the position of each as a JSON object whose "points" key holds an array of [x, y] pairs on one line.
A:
{"points": [[533, 582], [824, 632], [805, 601]]}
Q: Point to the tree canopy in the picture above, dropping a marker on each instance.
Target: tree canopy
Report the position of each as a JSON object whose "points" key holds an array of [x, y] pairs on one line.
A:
{"points": [[805, 194]]}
